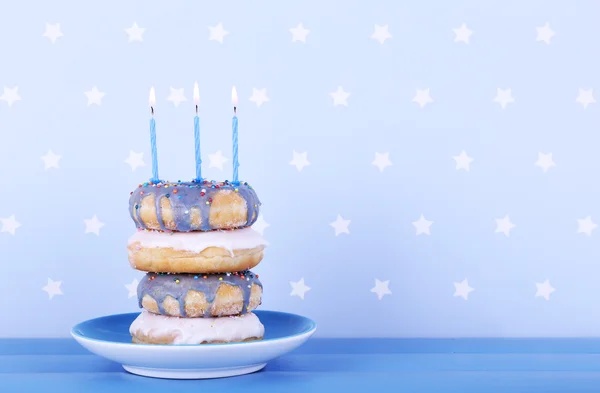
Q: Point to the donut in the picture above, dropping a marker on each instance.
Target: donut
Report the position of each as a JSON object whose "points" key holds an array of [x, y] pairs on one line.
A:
{"points": [[149, 328], [193, 206], [197, 295], [196, 252]]}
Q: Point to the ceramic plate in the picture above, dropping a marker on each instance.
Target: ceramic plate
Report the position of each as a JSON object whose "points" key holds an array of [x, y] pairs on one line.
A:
{"points": [[109, 337]]}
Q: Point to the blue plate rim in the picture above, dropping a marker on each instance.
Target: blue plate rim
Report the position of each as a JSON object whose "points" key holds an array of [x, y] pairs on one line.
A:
{"points": [[309, 332]]}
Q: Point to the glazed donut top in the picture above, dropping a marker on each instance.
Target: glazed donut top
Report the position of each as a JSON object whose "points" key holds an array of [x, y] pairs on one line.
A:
{"points": [[161, 285], [184, 196]]}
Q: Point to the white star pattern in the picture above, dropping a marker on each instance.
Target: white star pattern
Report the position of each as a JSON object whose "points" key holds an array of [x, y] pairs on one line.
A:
{"points": [[544, 290], [52, 288], [462, 34], [340, 97], [585, 97], [259, 96], [503, 225], [422, 97], [381, 34], [545, 161], [10, 224], [463, 161], [52, 32], [299, 160], [93, 225], [260, 225], [544, 33], [94, 96], [422, 226], [382, 161], [217, 160], [135, 33], [10, 95], [51, 160], [217, 33], [381, 288], [586, 226], [176, 96], [462, 289], [504, 97], [132, 288], [340, 225], [299, 33], [135, 160], [542, 52], [299, 288]]}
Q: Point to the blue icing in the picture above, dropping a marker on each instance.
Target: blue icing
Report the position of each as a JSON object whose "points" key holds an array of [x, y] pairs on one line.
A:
{"points": [[160, 285], [184, 196]]}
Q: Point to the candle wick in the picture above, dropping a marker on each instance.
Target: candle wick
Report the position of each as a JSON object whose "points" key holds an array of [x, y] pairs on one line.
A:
{"points": [[234, 110], [152, 110], [196, 109]]}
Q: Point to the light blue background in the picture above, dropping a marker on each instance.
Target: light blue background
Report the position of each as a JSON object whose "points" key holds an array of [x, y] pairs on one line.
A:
{"points": [[341, 143]]}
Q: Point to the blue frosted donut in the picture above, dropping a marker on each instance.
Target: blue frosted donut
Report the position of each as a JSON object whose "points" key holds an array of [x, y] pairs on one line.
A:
{"points": [[193, 206], [200, 295]]}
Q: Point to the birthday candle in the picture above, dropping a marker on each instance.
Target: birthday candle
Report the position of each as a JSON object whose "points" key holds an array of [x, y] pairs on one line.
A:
{"points": [[234, 126], [152, 101], [197, 135]]}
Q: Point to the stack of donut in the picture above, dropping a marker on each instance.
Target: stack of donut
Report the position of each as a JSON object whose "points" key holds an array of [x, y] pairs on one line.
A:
{"points": [[195, 242]]}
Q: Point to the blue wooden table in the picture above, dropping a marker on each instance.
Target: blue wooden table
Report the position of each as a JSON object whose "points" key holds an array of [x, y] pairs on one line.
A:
{"points": [[330, 365]]}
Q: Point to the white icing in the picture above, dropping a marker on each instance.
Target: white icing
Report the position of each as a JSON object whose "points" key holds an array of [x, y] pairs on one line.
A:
{"points": [[197, 330], [198, 241]]}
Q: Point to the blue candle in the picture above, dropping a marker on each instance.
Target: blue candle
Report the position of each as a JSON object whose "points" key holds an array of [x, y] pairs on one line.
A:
{"points": [[234, 126], [197, 136], [152, 101]]}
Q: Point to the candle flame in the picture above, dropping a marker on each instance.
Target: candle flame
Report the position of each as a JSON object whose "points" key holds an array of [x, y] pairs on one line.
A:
{"points": [[196, 94], [152, 99], [234, 97]]}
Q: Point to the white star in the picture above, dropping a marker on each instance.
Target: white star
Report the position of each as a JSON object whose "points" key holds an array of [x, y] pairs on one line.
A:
{"points": [[52, 32], [299, 288], [545, 161], [135, 160], [132, 288], [586, 226], [585, 97], [217, 33], [381, 33], [9, 224], [381, 288], [463, 161], [462, 34], [422, 97], [135, 32], [217, 160], [463, 289], [381, 161], [51, 160], [259, 96], [10, 95], [260, 225], [94, 96], [340, 97], [52, 288], [93, 225], [544, 290], [544, 33], [299, 33], [176, 96], [504, 225], [340, 225], [504, 97], [300, 160], [422, 225]]}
